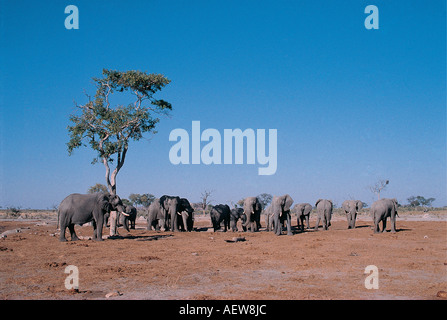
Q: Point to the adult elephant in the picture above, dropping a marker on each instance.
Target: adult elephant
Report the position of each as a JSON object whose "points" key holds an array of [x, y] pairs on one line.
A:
{"points": [[235, 215], [186, 212], [381, 210], [220, 213], [324, 213], [252, 210], [351, 208], [82, 208], [268, 218], [281, 212], [131, 217], [156, 217], [171, 205], [302, 213]]}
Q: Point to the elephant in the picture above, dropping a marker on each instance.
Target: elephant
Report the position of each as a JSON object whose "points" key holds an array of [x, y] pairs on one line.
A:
{"points": [[382, 209], [351, 208], [302, 212], [132, 216], [281, 212], [82, 208], [235, 215], [219, 213], [268, 218], [324, 213], [171, 205], [157, 216], [187, 214], [252, 210]]}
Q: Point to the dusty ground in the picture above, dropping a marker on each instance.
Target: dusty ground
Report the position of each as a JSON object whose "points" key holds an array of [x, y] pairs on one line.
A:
{"points": [[412, 263]]}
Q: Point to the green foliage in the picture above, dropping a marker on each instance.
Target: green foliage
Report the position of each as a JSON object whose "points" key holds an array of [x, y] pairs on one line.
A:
{"points": [[419, 201], [97, 188], [141, 199], [265, 199], [108, 129]]}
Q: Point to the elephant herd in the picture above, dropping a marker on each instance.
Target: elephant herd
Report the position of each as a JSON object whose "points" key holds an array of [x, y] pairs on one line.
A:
{"points": [[176, 214]]}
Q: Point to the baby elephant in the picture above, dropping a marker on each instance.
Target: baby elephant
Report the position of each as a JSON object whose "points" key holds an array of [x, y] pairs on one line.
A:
{"points": [[220, 213], [302, 212], [236, 214]]}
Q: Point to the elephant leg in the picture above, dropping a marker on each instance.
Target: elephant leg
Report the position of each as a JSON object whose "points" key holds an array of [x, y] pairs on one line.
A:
{"points": [[302, 223], [393, 223], [324, 222], [95, 235], [233, 225], [62, 235], [376, 225], [289, 225], [258, 224], [349, 218], [277, 225], [384, 224], [98, 232], [73, 235], [174, 226], [353, 220], [317, 223]]}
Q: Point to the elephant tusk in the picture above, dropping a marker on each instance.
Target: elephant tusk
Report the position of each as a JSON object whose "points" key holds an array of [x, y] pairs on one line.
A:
{"points": [[125, 214]]}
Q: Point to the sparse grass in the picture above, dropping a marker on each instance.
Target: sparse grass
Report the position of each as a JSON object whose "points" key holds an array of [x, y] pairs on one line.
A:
{"points": [[27, 214]]}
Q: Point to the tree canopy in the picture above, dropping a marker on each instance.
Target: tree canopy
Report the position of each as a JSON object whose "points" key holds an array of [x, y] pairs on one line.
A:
{"points": [[419, 201], [108, 128]]}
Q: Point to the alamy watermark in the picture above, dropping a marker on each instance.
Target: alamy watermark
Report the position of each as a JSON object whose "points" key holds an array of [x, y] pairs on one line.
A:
{"points": [[211, 153], [72, 281], [72, 20], [372, 280]]}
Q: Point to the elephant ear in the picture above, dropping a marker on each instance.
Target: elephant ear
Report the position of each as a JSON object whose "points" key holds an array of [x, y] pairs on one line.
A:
{"points": [[318, 201], [258, 206], [288, 201], [104, 201], [395, 203], [359, 205], [345, 206]]}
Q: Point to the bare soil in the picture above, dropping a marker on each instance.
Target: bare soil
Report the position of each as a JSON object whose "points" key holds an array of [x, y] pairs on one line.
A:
{"points": [[143, 264]]}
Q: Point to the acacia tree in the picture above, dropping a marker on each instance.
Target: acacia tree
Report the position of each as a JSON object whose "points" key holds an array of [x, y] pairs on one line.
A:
{"points": [[108, 129], [416, 201], [265, 199], [97, 188]]}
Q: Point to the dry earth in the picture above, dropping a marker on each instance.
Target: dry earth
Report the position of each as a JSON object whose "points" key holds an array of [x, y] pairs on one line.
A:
{"points": [[143, 264]]}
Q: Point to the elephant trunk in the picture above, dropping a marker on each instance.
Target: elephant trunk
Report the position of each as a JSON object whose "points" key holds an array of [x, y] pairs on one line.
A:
{"points": [[249, 217], [126, 222]]}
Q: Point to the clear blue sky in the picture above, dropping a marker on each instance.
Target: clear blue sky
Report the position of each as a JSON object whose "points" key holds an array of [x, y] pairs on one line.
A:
{"points": [[351, 105]]}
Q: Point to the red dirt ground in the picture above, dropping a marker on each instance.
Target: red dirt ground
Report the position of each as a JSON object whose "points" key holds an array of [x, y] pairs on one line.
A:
{"points": [[143, 264]]}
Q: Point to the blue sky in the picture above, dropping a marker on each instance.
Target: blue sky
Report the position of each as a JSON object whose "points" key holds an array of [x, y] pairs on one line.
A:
{"points": [[351, 105]]}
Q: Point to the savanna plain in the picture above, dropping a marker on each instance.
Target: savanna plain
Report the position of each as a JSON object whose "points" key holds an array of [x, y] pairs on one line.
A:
{"points": [[142, 264]]}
